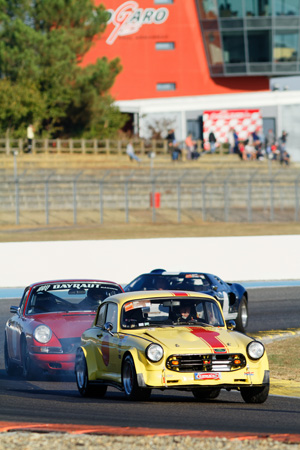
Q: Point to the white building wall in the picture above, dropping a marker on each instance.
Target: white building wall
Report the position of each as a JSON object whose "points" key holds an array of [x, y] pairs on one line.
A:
{"points": [[290, 120], [285, 104]]}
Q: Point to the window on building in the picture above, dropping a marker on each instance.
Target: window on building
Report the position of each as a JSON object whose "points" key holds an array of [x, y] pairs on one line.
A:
{"points": [[233, 47], [166, 86], [208, 9], [258, 8], [230, 8], [287, 7], [164, 46], [286, 46], [214, 47], [259, 45]]}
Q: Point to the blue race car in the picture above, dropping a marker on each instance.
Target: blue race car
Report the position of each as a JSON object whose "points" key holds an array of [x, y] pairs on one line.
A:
{"points": [[233, 297]]}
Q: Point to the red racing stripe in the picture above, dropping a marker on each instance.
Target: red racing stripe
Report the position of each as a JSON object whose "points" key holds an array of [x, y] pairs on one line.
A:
{"points": [[210, 338], [180, 294]]}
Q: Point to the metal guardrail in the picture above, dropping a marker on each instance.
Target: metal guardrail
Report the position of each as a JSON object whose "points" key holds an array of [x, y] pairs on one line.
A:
{"points": [[158, 196]]}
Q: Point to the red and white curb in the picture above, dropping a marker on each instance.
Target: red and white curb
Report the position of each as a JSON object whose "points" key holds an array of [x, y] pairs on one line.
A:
{"points": [[133, 431]]}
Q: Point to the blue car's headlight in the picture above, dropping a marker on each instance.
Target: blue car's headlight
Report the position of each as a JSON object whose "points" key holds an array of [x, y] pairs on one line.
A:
{"points": [[42, 334], [255, 350], [154, 352]]}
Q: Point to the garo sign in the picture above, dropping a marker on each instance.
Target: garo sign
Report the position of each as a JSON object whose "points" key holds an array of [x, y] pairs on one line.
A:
{"points": [[128, 18]]}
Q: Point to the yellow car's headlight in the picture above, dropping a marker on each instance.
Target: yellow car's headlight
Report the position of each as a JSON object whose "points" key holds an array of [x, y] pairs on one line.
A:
{"points": [[154, 352], [255, 350]]}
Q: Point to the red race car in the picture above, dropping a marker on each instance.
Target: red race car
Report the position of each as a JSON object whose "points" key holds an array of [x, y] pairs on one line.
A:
{"points": [[45, 330]]}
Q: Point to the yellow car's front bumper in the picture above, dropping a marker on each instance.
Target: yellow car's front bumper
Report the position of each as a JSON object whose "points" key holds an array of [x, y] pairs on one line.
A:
{"points": [[164, 379]]}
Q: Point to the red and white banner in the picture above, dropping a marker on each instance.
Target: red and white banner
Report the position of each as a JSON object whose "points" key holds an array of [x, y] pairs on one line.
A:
{"points": [[243, 121]]}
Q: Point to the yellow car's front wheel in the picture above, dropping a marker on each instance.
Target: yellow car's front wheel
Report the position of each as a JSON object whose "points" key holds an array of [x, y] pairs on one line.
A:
{"points": [[255, 394], [83, 384], [129, 381]]}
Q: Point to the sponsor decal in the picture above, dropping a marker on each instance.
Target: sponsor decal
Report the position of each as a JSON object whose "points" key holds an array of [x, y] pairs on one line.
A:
{"points": [[43, 288], [137, 304], [250, 374], [193, 275], [128, 18], [207, 376], [47, 287]]}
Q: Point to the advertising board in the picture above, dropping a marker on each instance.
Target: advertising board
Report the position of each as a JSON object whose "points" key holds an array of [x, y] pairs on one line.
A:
{"points": [[243, 121]]}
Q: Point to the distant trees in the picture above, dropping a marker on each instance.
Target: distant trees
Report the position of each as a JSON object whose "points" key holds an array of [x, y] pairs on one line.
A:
{"points": [[42, 79]]}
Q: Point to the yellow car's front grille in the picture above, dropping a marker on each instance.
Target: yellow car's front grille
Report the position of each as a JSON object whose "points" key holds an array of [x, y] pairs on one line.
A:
{"points": [[206, 363]]}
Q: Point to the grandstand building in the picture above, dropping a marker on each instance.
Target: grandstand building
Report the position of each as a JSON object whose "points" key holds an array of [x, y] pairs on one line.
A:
{"points": [[184, 60]]}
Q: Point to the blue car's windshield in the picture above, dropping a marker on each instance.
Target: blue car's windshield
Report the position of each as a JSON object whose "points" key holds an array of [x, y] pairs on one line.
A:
{"points": [[195, 282], [166, 312]]}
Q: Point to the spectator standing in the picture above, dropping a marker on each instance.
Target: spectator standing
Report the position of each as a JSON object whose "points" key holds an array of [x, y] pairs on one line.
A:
{"points": [[283, 154], [30, 137], [236, 142], [283, 137], [256, 140], [269, 141], [171, 139], [242, 151], [233, 141], [173, 145], [130, 152], [212, 142], [190, 146], [171, 136]]}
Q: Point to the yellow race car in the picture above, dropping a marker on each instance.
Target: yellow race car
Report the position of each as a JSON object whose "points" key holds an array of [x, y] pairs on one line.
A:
{"points": [[148, 340]]}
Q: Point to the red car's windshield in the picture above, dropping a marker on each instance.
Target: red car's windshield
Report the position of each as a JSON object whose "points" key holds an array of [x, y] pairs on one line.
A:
{"points": [[59, 297]]}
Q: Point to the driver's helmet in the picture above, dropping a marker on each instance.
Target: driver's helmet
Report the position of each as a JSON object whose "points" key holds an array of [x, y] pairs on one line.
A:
{"points": [[95, 295]]}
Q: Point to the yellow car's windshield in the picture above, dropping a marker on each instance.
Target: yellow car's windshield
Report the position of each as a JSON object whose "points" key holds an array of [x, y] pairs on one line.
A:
{"points": [[169, 312]]}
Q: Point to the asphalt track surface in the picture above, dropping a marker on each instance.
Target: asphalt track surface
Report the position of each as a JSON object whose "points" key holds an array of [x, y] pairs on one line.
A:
{"points": [[52, 403]]}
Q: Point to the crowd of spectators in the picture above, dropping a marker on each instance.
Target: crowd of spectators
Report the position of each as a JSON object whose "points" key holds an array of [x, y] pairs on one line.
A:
{"points": [[255, 147]]}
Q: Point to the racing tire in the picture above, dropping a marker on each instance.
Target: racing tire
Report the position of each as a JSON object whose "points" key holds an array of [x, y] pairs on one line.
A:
{"points": [[82, 378], [206, 394], [10, 367], [129, 381], [28, 367], [242, 317], [255, 394]]}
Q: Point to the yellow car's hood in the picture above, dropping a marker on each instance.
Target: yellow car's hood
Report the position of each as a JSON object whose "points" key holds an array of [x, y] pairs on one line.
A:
{"points": [[200, 339]]}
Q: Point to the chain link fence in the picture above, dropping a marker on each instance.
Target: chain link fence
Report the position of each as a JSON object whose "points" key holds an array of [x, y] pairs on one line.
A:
{"points": [[149, 196]]}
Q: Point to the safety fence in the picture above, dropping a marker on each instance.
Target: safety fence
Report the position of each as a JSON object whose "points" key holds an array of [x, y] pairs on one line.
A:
{"points": [[143, 196]]}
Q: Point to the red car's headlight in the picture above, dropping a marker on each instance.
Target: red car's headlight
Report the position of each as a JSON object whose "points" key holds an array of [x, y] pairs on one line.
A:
{"points": [[42, 334]]}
